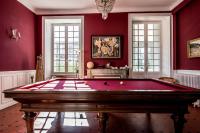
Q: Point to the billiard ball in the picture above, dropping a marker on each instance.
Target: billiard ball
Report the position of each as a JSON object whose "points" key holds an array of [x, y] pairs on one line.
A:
{"points": [[121, 82], [105, 83]]}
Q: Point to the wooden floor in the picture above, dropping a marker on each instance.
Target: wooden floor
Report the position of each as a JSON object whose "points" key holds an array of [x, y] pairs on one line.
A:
{"points": [[11, 122]]}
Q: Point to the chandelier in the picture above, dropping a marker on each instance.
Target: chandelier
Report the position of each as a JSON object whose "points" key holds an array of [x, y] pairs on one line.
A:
{"points": [[104, 7]]}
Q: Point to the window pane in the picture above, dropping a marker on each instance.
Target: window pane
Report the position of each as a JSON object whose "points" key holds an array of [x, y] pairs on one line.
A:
{"points": [[135, 32], [141, 38], [156, 44], [76, 40], [150, 38], [141, 68], [135, 44], [135, 68], [70, 34], [71, 69], [156, 50], [56, 40], [141, 26], [141, 32], [156, 62], [135, 50], [70, 28], [76, 28], [135, 62], [156, 56], [62, 69], [141, 56], [56, 63], [141, 44], [62, 28], [56, 69], [135, 56], [56, 57], [150, 68], [150, 62], [56, 28], [141, 62], [156, 38], [56, 51], [150, 50], [76, 46], [150, 44], [56, 34], [150, 26], [70, 40], [150, 32], [62, 46], [156, 32], [150, 56], [76, 34], [135, 26], [56, 45], [62, 63], [141, 50], [62, 57], [62, 51], [135, 38], [62, 34], [62, 40]]}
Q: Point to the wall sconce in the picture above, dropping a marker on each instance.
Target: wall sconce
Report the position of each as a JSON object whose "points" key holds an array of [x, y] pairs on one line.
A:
{"points": [[14, 34]]}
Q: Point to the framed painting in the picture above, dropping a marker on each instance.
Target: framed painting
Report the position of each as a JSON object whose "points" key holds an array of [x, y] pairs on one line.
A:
{"points": [[106, 47], [193, 48]]}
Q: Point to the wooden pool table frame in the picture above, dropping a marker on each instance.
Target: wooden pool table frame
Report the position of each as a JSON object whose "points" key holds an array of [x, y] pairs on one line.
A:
{"points": [[104, 102]]}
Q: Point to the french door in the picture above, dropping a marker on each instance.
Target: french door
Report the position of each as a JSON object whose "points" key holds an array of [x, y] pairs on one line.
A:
{"points": [[146, 49], [66, 48]]}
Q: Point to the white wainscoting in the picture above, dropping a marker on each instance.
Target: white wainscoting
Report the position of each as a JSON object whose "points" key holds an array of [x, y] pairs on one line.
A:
{"points": [[11, 79], [189, 78]]}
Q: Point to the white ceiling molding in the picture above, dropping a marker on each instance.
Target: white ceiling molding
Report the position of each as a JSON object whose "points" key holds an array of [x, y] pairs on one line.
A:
{"points": [[41, 7], [176, 3], [27, 5]]}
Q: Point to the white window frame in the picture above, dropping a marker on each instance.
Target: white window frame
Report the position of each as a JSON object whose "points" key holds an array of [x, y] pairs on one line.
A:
{"points": [[47, 54], [166, 65]]}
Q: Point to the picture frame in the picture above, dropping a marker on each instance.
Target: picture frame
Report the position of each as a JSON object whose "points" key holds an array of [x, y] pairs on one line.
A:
{"points": [[193, 48], [106, 46]]}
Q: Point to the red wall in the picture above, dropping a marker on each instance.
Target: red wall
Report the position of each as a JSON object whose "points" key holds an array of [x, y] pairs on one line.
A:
{"points": [[115, 24], [16, 55], [187, 27]]}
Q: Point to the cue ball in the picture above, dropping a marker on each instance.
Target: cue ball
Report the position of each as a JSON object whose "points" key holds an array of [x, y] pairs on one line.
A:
{"points": [[121, 82]]}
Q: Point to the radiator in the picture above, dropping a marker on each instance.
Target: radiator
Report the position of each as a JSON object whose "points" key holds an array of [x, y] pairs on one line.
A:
{"points": [[191, 81]]}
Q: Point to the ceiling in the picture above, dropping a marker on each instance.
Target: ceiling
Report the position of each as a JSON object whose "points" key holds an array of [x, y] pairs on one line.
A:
{"points": [[88, 6]]}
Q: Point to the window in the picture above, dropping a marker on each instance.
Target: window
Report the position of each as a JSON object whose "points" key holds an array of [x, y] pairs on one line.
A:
{"points": [[66, 48], [146, 45]]}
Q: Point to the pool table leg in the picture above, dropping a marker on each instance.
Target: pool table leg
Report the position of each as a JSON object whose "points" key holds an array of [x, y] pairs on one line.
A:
{"points": [[102, 117], [179, 121], [29, 119]]}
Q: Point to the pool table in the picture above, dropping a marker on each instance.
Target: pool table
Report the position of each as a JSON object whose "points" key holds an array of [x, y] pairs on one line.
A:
{"points": [[104, 96]]}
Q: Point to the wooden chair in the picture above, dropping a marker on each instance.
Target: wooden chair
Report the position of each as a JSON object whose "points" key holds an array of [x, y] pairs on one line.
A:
{"points": [[169, 79]]}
